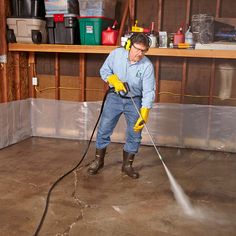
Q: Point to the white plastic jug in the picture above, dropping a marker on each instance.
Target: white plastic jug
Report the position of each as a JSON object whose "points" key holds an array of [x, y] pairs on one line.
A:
{"points": [[189, 36]]}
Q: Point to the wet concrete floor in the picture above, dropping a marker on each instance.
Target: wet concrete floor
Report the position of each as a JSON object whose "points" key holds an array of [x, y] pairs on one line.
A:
{"points": [[111, 204]]}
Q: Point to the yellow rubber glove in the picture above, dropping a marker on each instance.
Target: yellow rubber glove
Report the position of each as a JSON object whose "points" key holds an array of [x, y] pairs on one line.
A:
{"points": [[114, 81], [144, 112]]}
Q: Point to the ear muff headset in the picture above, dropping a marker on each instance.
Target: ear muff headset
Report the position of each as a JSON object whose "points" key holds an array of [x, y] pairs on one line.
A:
{"points": [[136, 38], [128, 44]]}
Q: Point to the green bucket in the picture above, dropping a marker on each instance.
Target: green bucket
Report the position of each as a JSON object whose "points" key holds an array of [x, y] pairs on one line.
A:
{"points": [[91, 29]]}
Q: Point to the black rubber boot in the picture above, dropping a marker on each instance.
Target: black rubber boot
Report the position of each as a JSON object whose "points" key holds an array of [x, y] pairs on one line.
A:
{"points": [[127, 168], [98, 162]]}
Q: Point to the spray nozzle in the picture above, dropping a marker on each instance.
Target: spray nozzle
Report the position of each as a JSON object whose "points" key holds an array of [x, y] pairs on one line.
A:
{"points": [[127, 86], [114, 24], [123, 93]]}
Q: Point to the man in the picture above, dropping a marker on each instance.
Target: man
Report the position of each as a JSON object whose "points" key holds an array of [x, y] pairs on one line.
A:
{"points": [[131, 66]]}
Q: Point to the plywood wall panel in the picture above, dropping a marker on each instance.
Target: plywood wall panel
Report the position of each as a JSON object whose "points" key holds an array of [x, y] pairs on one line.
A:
{"points": [[94, 63], [147, 11], [171, 69], [174, 14], [46, 82], [69, 64], [198, 81], [24, 75], [228, 9], [72, 88], [94, 89], [45, 63], [170, 91], [17, 68], [10, 77], [203, 7], [199, 73]]}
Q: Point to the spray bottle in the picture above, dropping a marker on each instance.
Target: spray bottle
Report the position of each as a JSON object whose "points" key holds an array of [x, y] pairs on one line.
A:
{"points": [[189, 36]]}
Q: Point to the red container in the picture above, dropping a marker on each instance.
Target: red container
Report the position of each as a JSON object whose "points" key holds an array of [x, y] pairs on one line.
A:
{"points": [[109, 36], [178, 37]]}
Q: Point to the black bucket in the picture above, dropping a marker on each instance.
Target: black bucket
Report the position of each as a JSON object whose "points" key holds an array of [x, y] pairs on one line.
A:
{"points": [[28, 8]]}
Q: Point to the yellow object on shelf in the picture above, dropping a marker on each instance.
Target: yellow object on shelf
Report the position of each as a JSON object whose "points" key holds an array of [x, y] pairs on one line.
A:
{"points": [[137, 29], [183, 45]]}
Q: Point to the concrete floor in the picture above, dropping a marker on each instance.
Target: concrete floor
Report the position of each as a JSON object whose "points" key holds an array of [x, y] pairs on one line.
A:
{"points": [[111, 204]]}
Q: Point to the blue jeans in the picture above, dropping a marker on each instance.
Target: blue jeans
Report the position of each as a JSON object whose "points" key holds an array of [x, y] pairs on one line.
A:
{"points": [[113, 108]]}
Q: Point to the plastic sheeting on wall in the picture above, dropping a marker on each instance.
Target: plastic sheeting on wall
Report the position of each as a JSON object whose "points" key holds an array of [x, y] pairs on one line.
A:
{"points": [[176, 125], [15, 122]]}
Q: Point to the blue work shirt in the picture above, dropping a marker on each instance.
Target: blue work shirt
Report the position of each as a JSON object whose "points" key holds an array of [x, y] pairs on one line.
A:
{"points": [[139, 76]]}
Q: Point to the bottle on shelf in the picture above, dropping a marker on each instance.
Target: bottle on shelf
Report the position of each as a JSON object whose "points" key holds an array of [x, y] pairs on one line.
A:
{"points": [[152, 36], [179, 37], [171, 40], [189, 36]]}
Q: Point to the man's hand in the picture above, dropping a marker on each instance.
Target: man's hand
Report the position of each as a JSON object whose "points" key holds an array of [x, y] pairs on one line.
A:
{"points": [[141, 120], [114, 81]]}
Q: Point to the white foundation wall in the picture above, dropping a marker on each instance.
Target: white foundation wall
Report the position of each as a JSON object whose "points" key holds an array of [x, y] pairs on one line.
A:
{"points": [[175, 125]]}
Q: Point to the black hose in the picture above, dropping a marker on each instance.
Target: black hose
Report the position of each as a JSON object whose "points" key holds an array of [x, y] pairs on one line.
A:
{"points": [[70, 171]]}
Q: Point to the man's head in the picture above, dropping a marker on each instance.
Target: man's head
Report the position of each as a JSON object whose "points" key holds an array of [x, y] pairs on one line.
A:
{"points": [[139, 45]]}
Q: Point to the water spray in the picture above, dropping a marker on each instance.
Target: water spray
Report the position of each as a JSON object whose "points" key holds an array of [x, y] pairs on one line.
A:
{"points": [[181, 198]]}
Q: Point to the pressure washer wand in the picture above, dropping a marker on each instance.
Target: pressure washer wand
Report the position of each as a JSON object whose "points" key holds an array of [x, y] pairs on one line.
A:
{"points": [[149, 134]]}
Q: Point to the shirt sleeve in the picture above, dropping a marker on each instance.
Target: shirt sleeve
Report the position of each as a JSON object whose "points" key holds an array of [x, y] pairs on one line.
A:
{"points": [[107, 67], [149, 87]]}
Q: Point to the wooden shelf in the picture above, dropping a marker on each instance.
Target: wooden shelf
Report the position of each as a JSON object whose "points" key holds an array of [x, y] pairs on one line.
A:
{"points": [[60, 48], [98, 49]]}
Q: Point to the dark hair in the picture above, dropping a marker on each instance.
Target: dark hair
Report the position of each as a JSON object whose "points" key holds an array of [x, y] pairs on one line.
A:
{"points": [[140, 38]]}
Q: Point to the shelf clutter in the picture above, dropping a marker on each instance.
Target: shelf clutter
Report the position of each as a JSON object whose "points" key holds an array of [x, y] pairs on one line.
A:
{"points": [[77, 26], [60, 21]]}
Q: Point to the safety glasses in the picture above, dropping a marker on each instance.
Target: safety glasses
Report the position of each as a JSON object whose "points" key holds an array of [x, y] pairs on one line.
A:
{"points": [[143, 51]]}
